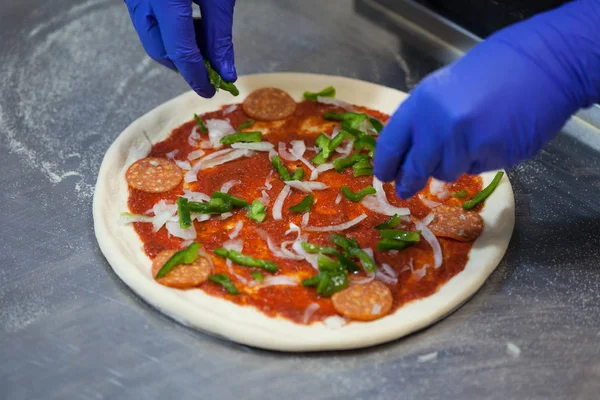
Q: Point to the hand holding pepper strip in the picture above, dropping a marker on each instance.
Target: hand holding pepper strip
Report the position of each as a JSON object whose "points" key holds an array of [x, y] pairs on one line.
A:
{"points": [[185, 256], [218, 82]]}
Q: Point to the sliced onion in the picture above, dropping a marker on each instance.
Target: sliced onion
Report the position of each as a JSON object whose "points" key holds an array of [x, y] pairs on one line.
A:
{"points": [[265, 198], [305, 219], [334, 322], [236, 230], [285, 250], [272, 153], [171, 155], [184, 233], [380, 276], [229, 184], [194, 155], [267, 181], [217, 128], [337, 228], [427, 220], [234, 244], [362, 281], [311, 258], [194, 137], [338, 199], [192, 175], [279, 280], [277, 252], [195, 196], [200, 217], [420, 273], [429, 203], [298, 148], [293, 228], [386, 268], [346, 149], [283, 153], [260, 146], [234, 155], [433, 242], [321, 168], [230, 109], [202, 253], [306, 187], [335, 102], [439, 189], [379, 203], [185, 165], [185, 244], [163, 212], [205, 144], [278, 206], [310, 310], [225, 215]]}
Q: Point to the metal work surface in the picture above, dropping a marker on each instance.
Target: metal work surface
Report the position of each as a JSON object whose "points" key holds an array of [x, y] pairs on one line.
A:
{"points": [[74, 75]]}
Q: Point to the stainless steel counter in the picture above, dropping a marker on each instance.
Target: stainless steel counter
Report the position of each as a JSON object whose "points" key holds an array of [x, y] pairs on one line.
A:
{"points": [[73, 75]]}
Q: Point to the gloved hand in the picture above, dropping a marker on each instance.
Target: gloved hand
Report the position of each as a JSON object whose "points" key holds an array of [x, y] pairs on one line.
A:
{"points": [[171, 37], [499, 104]]}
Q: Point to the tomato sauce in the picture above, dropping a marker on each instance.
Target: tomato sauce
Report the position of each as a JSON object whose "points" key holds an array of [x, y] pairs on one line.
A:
{"points": [[291, 301]]}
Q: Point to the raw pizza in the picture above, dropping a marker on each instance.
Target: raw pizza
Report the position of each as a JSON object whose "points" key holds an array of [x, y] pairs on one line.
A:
{"points": [[271, 205]]}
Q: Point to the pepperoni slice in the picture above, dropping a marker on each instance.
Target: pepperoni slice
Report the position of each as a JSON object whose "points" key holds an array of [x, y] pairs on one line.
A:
{"points": [[456, 223], [183, 276], [153, 175], [269, 104], [365, 302]]}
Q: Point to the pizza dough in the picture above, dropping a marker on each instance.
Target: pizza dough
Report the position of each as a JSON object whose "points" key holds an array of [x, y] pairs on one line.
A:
{"points": [[123, 248]]}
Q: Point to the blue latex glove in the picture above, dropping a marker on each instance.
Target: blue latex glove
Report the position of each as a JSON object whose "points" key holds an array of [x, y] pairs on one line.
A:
{"points": [[171, 37], [499, 104]]}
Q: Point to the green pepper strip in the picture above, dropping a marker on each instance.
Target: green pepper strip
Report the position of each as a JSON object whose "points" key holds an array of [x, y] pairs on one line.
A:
{"points": [[185, 256], [185, 219], [346, 262], [257, 211], [280, 168], [218, 82], [257, 276], [340, 164], [358, 196], [315, 248], [200, 123], [461, 194], [298, 174], [214, 206], [224, 281], [247, 261], [481, 196], [355, 119], [366, 142], [393, 222], [246, 124], [366, 260], [400, 235], [377, 124], [242, 137], [322, 142], [390, 244], [304, 205], [341, 241], [235, 201], [327, 92]]}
